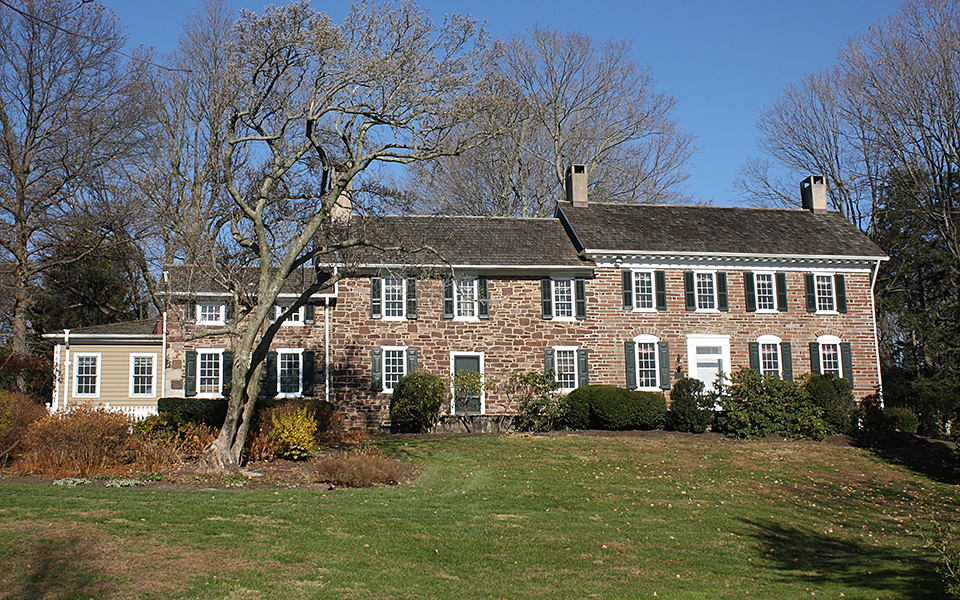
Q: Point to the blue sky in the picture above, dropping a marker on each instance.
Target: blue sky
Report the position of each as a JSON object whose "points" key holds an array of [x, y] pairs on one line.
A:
{"points": [[723, 60]]}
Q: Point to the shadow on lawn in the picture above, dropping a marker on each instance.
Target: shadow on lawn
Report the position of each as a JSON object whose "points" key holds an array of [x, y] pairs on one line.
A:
{"points": [[60, 568], [814, 559], [935, 459]]}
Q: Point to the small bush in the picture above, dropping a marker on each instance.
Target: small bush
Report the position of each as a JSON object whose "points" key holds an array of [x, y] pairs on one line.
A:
{"points": [[364, 467], [416, 402], [756, 406], [834, 396], [17, 412], [293, 430], [691, 410], [612, 408], [902, 418], [80, 441], [872, 417], [538, 403], [209, 411]]}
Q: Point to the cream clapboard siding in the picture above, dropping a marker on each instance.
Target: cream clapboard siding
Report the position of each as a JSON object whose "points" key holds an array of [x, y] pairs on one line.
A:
{"points": [[115, 374]]}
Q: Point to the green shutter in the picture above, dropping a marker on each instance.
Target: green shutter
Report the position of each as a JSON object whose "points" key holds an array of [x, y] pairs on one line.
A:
{"points": [[723, 302], [847, 361], [781, 279], [411, 360], [309, 314], [630, 356], [815, 358], [787, 358], [190, 373], [549, 365], [627, 277], [411, 298], [226, 363], [750, 292], [309, 368], [483, 298], [190, 312], [755, 356], [840, 288], [580, 297], [270, 379], [689, 291], [376, 369], [660, 281], [664, 349], [546, 298], [583, 368], [376, 298], [811, 290], [447, 298]]}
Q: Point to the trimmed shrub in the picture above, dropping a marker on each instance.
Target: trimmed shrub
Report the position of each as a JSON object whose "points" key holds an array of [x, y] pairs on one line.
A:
{"points": [[80, 441], [538, 403], [757, 406], [612, 408], [294, 430], [17, 412], [902, 418], [691, 410], [209, 411], [416, 402], [834, 396]]}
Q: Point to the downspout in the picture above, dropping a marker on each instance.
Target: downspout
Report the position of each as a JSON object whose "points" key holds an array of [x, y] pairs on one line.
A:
{"points": [[876, 334], [163, 359], [66, 370], [55, 399], [326, 352]]}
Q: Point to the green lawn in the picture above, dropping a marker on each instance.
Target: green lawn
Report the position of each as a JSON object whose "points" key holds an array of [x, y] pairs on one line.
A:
{"points": [[501, 517]]}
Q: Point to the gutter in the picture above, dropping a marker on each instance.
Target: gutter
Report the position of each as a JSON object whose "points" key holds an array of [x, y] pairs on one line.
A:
{"points": [[876, 334]]}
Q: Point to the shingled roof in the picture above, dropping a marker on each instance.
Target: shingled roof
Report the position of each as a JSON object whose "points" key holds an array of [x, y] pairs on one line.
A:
{"points": [[203, 280], [146, 329], [714, 230], [463, 241]]}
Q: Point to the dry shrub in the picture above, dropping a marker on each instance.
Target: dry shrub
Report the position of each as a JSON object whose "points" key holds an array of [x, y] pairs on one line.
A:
{"points": [[163, 441], [17, 412], [80, 441], [361, 467]]}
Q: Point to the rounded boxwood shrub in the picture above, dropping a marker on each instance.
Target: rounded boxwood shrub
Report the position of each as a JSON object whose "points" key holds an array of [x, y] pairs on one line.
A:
{"points": [[612, 408], [415, 405], [903, 418], [691, 410], [834, 396]]}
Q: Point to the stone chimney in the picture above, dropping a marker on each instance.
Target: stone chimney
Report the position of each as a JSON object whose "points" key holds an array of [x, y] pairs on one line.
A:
{"points": [[343, 207], [813, 194], [576, 185]]}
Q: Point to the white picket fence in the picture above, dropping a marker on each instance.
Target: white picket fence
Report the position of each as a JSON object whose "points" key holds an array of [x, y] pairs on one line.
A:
{"points": [[134, 413]]}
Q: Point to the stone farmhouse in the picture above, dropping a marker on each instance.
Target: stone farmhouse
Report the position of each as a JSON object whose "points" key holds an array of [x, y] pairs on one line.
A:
{"points": [[632, 295]]}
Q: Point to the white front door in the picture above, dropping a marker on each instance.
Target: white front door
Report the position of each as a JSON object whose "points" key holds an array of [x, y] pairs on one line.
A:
{"points": [[708, 356]]}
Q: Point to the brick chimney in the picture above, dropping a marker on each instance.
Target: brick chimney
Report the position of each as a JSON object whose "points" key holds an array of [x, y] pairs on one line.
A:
{"points": [[813, 194], [576, 185]]}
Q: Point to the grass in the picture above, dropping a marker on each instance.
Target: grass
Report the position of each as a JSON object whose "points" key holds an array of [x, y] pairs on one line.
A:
{"points": [[502, 517]]}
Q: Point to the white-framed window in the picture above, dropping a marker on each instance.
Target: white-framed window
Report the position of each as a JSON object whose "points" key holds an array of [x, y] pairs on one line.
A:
{"points": [[143, 375], [563, 299], [771, 360], [565, 366], [289, 372], [706, 290], [394, 297], [86, 374], [643, 291], [209, 373], [465, 298], [766, 290], [707, 357], [211, 313], [648, 362], [294, 318], [830, 358], [394, 366], [826, 301]]}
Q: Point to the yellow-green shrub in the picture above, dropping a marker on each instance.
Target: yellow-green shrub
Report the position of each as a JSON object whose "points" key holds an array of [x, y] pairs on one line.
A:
{"points": [[294, 430]]}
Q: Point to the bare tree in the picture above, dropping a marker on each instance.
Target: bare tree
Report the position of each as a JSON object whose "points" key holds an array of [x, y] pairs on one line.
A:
{"points": [[563, 99], [69, 105], [317, 105]]}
